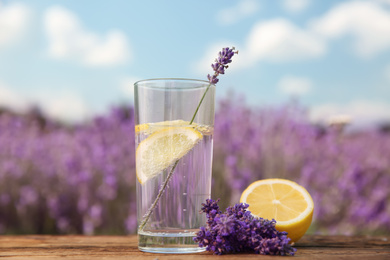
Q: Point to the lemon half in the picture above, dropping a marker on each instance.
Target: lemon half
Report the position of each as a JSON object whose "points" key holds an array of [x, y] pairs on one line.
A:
{"points": [[285, 201]]}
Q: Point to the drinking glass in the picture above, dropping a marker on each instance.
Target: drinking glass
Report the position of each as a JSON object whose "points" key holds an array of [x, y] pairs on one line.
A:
{"points": [[169, 197]]}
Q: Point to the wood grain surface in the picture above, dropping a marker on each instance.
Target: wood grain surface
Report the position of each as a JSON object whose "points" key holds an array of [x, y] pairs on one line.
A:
{"points": [[125, 247]]}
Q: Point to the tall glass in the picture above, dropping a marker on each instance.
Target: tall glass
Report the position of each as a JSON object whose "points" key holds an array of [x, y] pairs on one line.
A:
{"points": [[174, 144]]}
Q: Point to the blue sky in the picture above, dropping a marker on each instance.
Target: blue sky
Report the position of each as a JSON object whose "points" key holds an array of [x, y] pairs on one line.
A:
{"points": [[76, 59]]}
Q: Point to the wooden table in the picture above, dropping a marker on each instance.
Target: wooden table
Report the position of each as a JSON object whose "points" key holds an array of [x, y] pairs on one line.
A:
{"points": [[125, 247]]}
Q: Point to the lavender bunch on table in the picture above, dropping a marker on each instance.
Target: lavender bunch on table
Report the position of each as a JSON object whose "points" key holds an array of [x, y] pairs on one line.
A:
{"points": [[237, 230]]}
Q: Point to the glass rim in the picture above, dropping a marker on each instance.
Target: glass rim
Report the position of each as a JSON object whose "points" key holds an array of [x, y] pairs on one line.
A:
{"points": [[174, 79]]}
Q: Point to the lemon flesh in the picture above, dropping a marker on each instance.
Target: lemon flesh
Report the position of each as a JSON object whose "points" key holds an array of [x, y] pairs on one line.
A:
{"points": [[149, 128], [162, 149], [285, 201]]}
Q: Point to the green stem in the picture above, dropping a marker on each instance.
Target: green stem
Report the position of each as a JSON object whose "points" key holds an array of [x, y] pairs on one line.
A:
{"points": [[200, 102], [164, 185]]}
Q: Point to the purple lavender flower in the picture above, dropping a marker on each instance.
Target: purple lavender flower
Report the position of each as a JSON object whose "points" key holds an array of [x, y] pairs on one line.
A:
{"points": [[210, 206], [221, 63], [238, 231]]}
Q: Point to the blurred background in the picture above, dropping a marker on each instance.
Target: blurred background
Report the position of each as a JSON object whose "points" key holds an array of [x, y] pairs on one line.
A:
{"points": [[307, 99]]}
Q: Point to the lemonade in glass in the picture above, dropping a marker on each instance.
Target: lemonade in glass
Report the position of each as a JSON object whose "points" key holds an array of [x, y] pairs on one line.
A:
{"points": [[173, 161]]}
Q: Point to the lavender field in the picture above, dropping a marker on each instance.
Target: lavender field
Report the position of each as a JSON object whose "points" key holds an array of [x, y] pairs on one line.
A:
{"points": [[57, 178]]}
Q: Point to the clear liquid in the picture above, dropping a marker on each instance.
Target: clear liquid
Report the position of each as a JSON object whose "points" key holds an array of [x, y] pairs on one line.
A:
{"points": [[176, 217]]}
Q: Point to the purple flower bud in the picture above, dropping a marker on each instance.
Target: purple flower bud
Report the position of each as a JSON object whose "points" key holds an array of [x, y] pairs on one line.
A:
{"points": [[213, 79], [221, 63], [221, 70]]}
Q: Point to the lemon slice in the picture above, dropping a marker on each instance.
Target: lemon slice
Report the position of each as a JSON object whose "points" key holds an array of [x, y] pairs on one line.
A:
{"points": [[152, 127], [285, 201], [141, 128], [162, 148]]}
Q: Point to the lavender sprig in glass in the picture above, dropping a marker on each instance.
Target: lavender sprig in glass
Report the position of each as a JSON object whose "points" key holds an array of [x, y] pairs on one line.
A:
{"points": [[219, 67]]}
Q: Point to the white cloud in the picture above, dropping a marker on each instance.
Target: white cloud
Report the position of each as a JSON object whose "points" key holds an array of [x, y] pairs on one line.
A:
{"points": [[231, 15], [279, 40], [276, 40], [69, 40], [360, 111], [14, 19], [295, 86], [295, 6], [66, 106], [367, 22]]}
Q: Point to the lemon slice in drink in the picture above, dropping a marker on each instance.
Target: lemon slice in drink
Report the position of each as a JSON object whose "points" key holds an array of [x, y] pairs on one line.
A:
{"points": [[285, 201], [152, 127], [162, 149]]}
